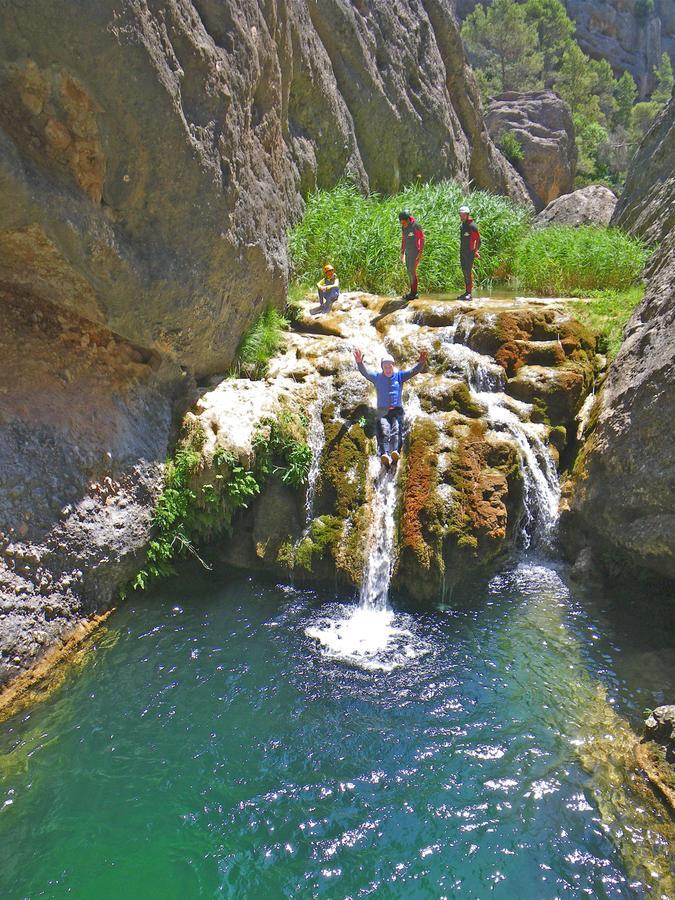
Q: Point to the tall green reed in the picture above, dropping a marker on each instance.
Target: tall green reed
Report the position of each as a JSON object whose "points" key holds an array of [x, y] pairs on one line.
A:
{"points": [[361, 236], [562, 260]]}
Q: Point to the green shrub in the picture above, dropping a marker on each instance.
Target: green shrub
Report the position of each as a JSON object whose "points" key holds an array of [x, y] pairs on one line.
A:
{"points": [[260, 343], [361, 236], [281, 449], [607, 312], [187, 512], [511, 147], [562, 260]]}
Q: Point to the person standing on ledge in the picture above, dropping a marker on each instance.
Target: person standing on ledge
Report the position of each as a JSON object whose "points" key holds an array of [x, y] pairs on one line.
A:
{"points": [[389, 386], [469, 244], [412, 245]]}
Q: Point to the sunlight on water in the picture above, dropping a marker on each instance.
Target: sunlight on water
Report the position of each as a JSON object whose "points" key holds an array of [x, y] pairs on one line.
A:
{"points": [[375, 639]]}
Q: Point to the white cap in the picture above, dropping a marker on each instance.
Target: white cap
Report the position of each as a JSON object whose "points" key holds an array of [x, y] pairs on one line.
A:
{"points": [[464, 209], [387, 359]]}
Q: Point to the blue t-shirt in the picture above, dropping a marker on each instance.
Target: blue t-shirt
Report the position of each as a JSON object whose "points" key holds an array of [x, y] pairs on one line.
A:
{"points": [[389, 388]]}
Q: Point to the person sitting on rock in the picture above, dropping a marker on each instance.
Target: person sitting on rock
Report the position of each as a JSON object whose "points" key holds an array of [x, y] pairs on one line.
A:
{"points": [[328, 287], [389, 386]]}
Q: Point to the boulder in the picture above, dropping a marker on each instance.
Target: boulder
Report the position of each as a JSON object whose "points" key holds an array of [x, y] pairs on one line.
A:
{"points": [[541, 122], [621, 503], [591, 205]]}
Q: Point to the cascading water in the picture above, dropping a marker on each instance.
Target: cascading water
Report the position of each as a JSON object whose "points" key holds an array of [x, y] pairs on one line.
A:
{"points": [[370, 635], [541, 488], [486, 380], [315, 440]]}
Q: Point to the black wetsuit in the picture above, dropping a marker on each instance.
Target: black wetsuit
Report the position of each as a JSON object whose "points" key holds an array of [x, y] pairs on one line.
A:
{"points": [[469, 242]]}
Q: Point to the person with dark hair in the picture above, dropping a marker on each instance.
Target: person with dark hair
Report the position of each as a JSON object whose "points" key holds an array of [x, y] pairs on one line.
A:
{"points": [[389, 387], [412, 245], [469, 243]]}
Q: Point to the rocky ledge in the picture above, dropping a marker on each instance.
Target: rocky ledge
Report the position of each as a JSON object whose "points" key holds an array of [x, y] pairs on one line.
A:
{"points": [[488, 424]]}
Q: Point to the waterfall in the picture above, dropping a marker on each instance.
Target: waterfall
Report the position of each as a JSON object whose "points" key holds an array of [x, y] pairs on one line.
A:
{"points": [[541, 488], [486, 381], [380, 543], [315, 440]]}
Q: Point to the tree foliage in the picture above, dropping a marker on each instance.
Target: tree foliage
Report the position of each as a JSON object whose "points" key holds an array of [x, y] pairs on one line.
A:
{"points": [[505, 46], [530, 44]]}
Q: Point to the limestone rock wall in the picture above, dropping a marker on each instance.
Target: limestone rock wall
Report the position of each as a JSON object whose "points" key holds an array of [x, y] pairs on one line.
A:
{"points": [[622, 500]]}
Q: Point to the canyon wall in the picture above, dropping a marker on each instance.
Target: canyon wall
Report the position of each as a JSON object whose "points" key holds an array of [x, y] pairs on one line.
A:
{"points": [[629, 34], [152, 157], [622, 502]]}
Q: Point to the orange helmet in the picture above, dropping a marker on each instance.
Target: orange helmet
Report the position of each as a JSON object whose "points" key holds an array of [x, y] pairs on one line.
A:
{"points": [[328, 269]]}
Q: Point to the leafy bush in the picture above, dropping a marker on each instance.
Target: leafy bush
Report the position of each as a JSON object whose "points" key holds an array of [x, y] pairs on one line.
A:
{"points": [[362, 237], [260, 343], [187, 511], [511, 147], [563, 260], [281, 449]]}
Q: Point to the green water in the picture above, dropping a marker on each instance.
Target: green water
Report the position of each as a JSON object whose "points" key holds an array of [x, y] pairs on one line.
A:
{"points": [[212, 748]]}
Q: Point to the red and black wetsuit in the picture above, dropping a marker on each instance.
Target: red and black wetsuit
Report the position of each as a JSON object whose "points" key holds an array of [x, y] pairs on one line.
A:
{"points": [[469, 242], [412, 244]]}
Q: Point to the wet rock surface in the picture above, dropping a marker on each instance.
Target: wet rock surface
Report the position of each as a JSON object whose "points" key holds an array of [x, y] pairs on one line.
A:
{"points": [[541, 122], [592, 205], [478, 472]]}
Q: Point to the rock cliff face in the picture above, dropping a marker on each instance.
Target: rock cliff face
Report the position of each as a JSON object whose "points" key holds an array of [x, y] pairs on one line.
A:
{"points": [[542, 124], [622, 500], [627, 33], [152, 155]]}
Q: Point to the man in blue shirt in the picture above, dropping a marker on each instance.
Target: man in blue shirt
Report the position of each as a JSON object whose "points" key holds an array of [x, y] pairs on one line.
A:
{"points": [[389, 386]]}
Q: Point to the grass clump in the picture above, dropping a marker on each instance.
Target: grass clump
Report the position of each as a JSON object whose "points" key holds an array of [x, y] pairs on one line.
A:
{"points": [[608, 312], [188, 511], [563, 260], [281, 448], [361, 236], [260, 343]]}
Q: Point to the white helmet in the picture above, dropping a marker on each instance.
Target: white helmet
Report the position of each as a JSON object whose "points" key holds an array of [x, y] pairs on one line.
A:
{"points": [[387, 359], [464, 209]]}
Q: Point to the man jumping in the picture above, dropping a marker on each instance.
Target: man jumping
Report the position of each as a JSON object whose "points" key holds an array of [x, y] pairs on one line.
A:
{"points": [[389, 386], [412, 245], [469, 243]]}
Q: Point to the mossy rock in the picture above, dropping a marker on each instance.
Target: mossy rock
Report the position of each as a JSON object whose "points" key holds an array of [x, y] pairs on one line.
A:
{"points": [[341, 483], [323, 536], [420, 565], [444, 395]]}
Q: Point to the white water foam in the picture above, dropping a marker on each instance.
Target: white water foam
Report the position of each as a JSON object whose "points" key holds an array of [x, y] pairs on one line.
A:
{"points": [[541, 488], [375, 639], [377, 571]]}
